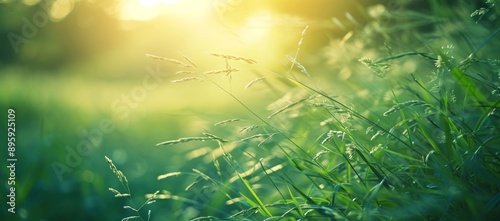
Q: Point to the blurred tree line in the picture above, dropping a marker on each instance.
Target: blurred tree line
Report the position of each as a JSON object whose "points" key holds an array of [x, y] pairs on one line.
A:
{"points": [[32, 38]]}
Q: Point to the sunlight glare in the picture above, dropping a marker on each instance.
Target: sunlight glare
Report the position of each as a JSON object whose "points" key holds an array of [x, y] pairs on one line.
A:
{"points": [[256, 27], [144, 10], [151, 3]]}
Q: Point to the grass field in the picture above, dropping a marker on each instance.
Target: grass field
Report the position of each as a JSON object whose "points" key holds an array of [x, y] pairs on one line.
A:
{"points": [[372, 110], [411, 135]]}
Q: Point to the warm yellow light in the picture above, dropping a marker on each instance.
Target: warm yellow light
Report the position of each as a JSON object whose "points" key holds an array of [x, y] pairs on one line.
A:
{"points": [[256, 27], [150, 3], [149, 9]]}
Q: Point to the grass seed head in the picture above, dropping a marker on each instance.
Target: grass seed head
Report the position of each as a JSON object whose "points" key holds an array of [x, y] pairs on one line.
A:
{"points": [[221, 71], [252, 137], [168, 175], [248, 128], [253, 82], [186, 79], [115, 170], [173, 61], [187, 59], [226, 121], [185, 72], [232, 57], [299, 65], [399, 106]]}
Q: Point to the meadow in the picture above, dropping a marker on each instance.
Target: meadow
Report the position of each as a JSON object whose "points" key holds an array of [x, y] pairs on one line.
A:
{"points": [[369, 110], [407, 131]]}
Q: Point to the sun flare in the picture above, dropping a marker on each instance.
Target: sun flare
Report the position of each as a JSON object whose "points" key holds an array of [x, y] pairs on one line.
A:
{"points": [[145, 10], [150, 3]]}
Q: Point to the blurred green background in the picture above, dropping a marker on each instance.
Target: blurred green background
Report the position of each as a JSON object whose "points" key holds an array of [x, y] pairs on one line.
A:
{"points": [[70, 68]]}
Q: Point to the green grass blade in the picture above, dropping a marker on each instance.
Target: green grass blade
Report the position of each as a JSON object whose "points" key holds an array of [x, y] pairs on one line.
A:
{"points": [[462, 79], [372, 193], [255, 196]]}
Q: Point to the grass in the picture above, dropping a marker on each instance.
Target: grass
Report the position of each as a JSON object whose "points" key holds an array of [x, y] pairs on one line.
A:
{"points": [[128, 194], [420, 145]]}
